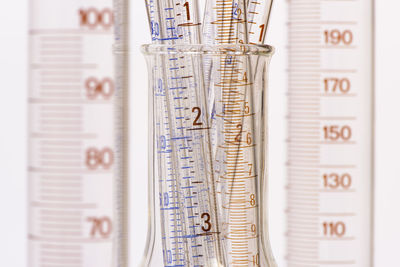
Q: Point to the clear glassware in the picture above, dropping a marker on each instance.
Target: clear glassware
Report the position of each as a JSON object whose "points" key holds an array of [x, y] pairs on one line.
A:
{"points": [[208, 162], [71, 138], [330, 119]]}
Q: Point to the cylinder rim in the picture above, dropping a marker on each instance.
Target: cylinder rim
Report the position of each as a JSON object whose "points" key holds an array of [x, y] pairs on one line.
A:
{"points": [[200, 49]]}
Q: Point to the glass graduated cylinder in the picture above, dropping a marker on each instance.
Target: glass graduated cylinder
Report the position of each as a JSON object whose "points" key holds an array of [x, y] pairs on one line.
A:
{"points": [[71, 154], [71, 135], [208, 156], [330, 133]]}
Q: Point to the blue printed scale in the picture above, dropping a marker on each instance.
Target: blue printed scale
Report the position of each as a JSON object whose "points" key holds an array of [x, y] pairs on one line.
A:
{"points": [[204, 117], [184, 175]]}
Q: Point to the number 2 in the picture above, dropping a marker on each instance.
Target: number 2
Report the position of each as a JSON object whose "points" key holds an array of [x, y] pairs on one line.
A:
{"points": [[196, 121]]}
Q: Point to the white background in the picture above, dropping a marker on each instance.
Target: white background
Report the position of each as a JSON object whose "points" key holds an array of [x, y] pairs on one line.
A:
{"points": [[13, 89]]}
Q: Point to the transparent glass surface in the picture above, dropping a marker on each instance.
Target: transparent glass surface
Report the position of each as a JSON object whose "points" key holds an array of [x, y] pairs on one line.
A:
{"points": [[71, 133], [208, 165], [330, 119]]}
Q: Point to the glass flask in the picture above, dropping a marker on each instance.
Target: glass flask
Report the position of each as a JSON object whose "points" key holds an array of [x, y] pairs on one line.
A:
{"points": [[207, 160]]}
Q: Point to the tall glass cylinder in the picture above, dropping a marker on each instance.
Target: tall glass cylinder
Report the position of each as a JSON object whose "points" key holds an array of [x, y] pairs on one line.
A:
{"points": [[330, 133], [71, 135], [208, 166]]}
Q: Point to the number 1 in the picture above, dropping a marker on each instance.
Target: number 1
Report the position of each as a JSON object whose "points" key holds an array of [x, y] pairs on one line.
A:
{"points": [[262, 27], [187, 10]]}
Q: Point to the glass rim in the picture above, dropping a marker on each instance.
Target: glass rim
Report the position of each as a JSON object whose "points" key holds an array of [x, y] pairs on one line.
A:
{"points": [[202, 49]]}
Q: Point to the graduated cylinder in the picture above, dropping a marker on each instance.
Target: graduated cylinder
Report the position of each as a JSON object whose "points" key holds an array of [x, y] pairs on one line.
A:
{"points": [[330, 140], [208, 156], [71, 138]]}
